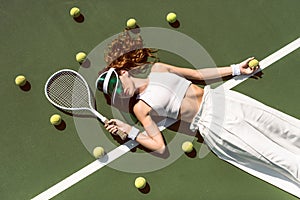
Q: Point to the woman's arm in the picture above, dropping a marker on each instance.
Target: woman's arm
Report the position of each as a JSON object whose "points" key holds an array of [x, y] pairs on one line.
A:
{"points": [[153, 140], [206, 73]]}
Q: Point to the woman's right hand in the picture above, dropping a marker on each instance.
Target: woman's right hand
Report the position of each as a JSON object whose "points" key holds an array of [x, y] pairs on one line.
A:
{"points": [[114, 125]]}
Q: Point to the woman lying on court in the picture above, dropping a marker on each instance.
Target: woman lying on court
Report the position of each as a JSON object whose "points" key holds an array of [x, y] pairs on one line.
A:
{"points": [[238, 129]]}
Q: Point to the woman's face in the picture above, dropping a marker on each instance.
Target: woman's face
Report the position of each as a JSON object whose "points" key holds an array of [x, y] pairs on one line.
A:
{"points": [[127, 84]]}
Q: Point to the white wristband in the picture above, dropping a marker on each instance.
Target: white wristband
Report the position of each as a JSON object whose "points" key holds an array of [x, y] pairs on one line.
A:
{"points": [[235, 69], [133, 133]]}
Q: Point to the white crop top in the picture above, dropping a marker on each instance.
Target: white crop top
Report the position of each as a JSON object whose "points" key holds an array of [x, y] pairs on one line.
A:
{"points": [[165, 93]]}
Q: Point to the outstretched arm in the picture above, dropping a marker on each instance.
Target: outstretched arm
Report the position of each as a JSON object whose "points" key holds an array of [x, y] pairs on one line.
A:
{"points": [[206, 73]]}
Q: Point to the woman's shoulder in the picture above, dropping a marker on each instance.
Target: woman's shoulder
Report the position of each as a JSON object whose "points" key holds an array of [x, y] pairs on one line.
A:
{"points": [[160, 67], [141, 109]]}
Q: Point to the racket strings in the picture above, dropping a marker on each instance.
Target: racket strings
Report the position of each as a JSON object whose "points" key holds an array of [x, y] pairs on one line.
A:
{"points": [[60, 94], [69, 92]]}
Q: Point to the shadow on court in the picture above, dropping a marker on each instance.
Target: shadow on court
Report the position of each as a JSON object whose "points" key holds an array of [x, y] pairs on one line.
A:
{"points": [[134, 30], [79, 19], [62, 126], [192, 154], [86, 63], [26, 87], [175, 24], [146, 189]]}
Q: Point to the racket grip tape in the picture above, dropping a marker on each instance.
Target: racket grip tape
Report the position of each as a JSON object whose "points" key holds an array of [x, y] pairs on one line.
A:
{"points": [[120, 133]]}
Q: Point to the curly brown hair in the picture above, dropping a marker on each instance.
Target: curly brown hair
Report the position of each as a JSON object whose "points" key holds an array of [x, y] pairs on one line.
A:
{"points": [[127, 52]]}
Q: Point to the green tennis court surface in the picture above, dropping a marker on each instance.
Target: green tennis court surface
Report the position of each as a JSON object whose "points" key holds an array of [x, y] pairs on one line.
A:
{"points": [[39, 38]]}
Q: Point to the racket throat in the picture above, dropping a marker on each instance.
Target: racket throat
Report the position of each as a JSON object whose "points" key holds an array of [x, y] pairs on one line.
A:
{"points": [[99, 116]]}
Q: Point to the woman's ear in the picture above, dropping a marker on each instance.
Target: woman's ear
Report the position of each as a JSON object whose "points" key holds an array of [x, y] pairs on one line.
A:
{"points": [[123, 72]]}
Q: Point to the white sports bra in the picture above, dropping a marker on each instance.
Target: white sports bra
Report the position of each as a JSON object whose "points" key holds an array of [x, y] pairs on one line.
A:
{"points": [[165, 93]]}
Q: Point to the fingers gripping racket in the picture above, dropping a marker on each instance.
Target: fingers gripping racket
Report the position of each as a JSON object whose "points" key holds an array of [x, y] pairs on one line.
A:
{"points": [[69, 91]]}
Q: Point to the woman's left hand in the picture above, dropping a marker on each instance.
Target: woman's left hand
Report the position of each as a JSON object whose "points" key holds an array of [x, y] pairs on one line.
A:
{"points": [[245, 69]]}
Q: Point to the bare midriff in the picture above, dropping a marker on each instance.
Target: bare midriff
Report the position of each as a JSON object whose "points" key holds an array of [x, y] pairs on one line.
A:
{"points": [[191, 103]]}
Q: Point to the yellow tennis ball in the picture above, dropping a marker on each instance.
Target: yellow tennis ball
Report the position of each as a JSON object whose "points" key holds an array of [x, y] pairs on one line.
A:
{"points": [[80, 57], [20, 80], [187, 146], [140, 182], [171, 17], [75, 12], [98, 152], [131, 23], [253, 63], [55, 119]]}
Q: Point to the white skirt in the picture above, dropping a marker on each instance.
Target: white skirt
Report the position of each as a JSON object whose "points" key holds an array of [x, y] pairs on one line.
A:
{"points": [[252, 136]]}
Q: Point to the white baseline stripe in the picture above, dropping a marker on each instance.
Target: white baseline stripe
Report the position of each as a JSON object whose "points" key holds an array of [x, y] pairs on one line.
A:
{"points": [[84, 172], [122, 149], [96, 165], [263, 64]]}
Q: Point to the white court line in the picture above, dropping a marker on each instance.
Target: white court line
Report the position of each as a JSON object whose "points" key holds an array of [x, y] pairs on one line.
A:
{"points": [[86, 171], [123, 149], [289, 48], [96, 165]]}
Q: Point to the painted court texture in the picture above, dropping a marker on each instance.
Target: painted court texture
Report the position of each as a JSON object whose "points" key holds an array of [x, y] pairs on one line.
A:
{"points": [[39, 38]]}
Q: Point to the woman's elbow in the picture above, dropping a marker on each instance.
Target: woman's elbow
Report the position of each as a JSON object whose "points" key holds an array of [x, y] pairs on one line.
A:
{"points": [[161, 149]]}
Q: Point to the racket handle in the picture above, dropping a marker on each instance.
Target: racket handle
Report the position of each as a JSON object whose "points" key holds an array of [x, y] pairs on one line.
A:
{"points": [[120, 133]]}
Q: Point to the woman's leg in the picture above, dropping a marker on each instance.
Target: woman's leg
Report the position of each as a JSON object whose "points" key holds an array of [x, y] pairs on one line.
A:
{"points": [[244, 130], [282, 129]]}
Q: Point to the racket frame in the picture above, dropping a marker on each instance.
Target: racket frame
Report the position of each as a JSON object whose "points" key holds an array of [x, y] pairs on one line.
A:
{"points": [[91, 109]]}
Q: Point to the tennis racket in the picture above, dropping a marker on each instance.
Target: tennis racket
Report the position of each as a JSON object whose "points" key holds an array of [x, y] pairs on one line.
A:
{"points": [[69, 91]]}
